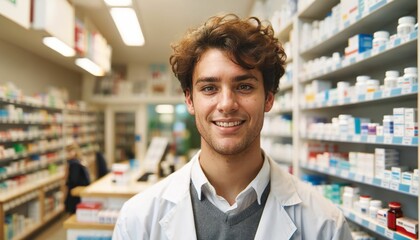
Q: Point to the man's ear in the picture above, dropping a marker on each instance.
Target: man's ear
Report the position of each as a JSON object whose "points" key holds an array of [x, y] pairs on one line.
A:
{"points": [[269, 101], [189, 101]]}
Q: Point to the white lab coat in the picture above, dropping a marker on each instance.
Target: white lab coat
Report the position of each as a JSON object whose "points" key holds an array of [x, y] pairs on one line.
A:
{"points": [[293, 210]]}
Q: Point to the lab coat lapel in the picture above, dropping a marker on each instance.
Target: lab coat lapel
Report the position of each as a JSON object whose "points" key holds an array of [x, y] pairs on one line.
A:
{"points": [[178, 223], [275, 223]]}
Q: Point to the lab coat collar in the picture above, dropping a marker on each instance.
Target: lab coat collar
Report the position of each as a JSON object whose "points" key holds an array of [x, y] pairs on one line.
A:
{"points": [[288, 194], [274, 213]]}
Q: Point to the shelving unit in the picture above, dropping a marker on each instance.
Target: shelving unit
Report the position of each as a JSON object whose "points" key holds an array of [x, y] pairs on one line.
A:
{"points": [[34, 132], [86, 129], [277, 133], [124, 135], [397, 55]]}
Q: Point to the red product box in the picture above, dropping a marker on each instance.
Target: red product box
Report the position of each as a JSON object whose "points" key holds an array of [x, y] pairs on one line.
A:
{"points": [[408, 227], [88, 211]]}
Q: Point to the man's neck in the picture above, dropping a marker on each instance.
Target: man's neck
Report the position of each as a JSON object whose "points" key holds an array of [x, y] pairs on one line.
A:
{"points": [[230, 174]]}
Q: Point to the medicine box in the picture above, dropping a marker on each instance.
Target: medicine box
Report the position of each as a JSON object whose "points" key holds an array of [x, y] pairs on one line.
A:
{"points": [[88, 211], [396, 173], [381, 216], [358, 44], [410, 115], [408, 227]]}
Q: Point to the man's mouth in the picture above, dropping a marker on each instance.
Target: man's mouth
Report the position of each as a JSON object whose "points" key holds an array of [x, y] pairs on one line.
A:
{"points": [[228, 124]]}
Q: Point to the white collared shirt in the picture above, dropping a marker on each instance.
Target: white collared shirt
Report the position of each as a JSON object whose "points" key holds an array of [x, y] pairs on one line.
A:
{"points": [[252, 192]]}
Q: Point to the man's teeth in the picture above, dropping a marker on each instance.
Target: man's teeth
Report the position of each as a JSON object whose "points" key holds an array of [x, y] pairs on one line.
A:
{"points": [[228, 124]]}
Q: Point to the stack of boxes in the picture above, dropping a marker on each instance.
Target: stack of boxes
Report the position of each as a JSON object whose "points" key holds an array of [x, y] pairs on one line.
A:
{"points": [[405, 122], [384, 160]]}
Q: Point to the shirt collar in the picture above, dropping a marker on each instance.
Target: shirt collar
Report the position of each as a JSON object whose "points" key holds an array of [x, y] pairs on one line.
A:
{"points": [[259, 183]]}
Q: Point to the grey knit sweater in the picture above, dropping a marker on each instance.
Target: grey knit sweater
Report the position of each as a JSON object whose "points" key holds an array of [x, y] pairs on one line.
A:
{"points": [[211, 223]]}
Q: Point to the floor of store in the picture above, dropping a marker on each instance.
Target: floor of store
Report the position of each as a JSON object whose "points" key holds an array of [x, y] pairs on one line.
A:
{"points": [[53, 230]]}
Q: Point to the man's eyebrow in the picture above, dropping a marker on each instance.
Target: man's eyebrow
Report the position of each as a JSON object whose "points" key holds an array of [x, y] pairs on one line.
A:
{"points": [[206, 80], [245, 77], [236, 79]]}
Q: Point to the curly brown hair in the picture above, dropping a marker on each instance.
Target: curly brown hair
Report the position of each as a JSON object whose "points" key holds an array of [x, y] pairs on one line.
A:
{"points": [[248, 42]]}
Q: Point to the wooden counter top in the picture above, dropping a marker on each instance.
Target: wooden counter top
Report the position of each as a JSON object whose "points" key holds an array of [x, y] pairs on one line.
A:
{"points": [[104, 187], [72, 223]]}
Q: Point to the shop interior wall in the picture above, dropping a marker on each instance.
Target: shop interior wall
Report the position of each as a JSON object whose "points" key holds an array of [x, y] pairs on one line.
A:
{"points": [[34, 74]]}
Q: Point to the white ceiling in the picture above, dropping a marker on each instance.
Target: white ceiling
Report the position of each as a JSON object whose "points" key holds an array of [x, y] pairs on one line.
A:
{"points": [[162, 21]]}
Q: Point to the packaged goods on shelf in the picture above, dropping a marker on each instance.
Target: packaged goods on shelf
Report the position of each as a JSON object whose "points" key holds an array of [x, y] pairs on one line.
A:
{"points": [[357, 44]]}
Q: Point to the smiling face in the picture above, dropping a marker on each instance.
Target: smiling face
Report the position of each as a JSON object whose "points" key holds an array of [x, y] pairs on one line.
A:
{"points": [[228, 103]]}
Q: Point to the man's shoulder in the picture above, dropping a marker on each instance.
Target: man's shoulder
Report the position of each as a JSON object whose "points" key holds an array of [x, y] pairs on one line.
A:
{"points": [[314, 201]]}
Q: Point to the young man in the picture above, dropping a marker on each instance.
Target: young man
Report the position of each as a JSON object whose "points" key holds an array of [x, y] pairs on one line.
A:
{"points": [[229, 69]]}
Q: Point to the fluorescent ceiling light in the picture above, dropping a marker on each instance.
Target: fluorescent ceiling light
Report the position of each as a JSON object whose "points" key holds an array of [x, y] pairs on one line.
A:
{"points": [[59, 46], [164, 109], [128, 25], [90, 66], [118, 3]]}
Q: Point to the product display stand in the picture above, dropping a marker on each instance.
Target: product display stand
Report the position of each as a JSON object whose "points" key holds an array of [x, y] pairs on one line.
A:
{"points": [[317, 60]]}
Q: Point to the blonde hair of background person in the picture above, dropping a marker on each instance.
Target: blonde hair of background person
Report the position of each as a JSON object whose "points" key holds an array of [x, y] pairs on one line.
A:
{"points": [[229, 69]]}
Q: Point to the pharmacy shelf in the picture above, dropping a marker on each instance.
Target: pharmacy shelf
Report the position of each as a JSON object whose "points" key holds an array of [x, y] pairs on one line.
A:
{"points": [[30, 169], [16, 122], [116, 100], [33, 138], [373, 225], [24, 155], [48, 216], [381, 95], [354, 177], [18, 191], [276, 135], [400, 50], [369, 139], [285, 87], [20, 103], [370, 22], [28, 231], [285, 29], [316, 9]]}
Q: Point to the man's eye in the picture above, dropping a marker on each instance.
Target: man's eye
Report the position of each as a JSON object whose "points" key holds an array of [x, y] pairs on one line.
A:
{"points": [[245, 87], [208, 89]]}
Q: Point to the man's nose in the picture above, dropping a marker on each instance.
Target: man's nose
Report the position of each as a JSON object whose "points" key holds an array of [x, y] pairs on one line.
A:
{"points": [[227, 101]]}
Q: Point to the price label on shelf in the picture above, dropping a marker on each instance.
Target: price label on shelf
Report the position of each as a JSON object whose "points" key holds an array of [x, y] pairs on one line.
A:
{"points": [[406, 89], [371, 139], [356, 138], [385, 183], [369, 96], [333, 171], [343, 138], [369, 180], [407, 140], [388, 139], [389, 233], [344, 174], [372, 226], [386, 93], [358, 219], [414, 190], [394, 185], [358, 177]]}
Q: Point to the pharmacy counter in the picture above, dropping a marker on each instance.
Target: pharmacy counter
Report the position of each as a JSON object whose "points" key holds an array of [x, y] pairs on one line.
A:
{"points": [[105, 187], [111, 196]]}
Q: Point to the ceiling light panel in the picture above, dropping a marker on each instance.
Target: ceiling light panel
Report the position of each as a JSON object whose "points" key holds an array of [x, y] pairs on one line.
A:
{"points": [[128, 26], [118, 3], [90, 66], [59, 46]]}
